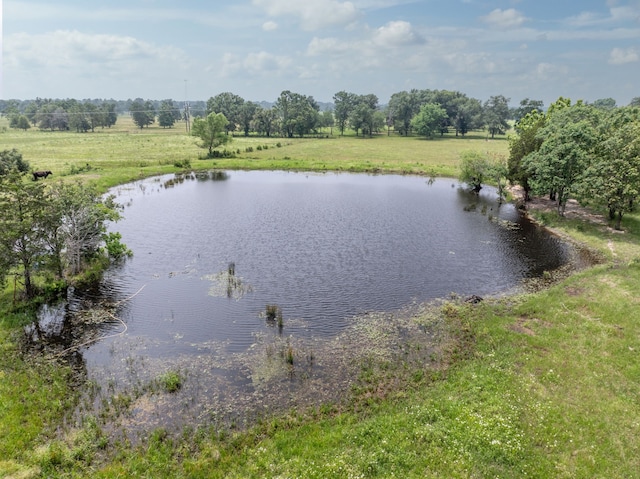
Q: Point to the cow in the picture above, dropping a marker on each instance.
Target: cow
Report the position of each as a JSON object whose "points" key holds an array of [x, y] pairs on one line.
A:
{"points": [[41, 174]]}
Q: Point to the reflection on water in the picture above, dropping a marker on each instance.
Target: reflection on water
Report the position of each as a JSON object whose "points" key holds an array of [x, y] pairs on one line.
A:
{"points": [[213, 255]]}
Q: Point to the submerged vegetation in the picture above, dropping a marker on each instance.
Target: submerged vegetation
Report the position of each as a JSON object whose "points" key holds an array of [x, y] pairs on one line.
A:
{"points": [[536, 385]]}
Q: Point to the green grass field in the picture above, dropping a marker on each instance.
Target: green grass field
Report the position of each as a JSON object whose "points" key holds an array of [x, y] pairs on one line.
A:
{"points": [[539, 385], [125, 152]]}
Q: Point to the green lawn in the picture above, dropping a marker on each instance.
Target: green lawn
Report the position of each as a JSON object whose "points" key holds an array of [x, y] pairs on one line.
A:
{"points": [[538, 385]]}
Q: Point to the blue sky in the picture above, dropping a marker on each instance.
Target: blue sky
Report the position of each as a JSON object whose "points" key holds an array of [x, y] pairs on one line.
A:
{"points": [[157, 49]]}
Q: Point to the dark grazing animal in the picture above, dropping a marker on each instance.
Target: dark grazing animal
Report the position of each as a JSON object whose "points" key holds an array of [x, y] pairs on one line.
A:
{"points": [[41, 174]]}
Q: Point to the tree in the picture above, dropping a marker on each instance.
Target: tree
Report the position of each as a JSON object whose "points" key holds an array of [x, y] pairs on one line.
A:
{"points": [[245, 116], [403, 106], [23, 215], [10, 159], [76, 225], [468, 115], [447, 100], [79, 119], [604, 104], [22, 123], [429, 119], [496, 114], [475, 169], [635, 101], [522, 144], [568, 141], [327, 120], [211, 131], [344, 104], [613, 179], [166, 114], [229, 105], [526, 107], [363, 114], [265, 121], [110, 117], [143, 113], [298, 113]]}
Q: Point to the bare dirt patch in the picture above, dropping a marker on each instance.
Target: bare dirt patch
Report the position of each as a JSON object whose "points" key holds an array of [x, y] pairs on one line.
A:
{"points": [[528, 326]]}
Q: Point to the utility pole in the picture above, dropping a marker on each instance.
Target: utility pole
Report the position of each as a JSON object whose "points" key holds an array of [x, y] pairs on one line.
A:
{"points": [[187, 119]]}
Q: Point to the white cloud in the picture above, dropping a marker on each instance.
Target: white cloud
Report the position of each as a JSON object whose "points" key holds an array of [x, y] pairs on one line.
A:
{"points": [[74, 49], [623, 14], [327, 46], [263, 62], [397, 33], [549, 71], [470, 63], [509, 18], [313, 14], [269, 26], [620, 56], [255, 64]]}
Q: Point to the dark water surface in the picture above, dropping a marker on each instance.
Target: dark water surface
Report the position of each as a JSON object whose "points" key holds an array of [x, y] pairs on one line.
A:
{"points": [[210, 252], [324, 247]]}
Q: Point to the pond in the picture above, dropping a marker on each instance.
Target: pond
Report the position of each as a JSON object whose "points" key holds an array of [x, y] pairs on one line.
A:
{"points": [[211, 252]]}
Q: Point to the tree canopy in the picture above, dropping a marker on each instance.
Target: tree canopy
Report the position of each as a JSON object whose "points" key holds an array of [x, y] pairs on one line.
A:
{"points": [[429, 119], [49, 229], [211, 131]]}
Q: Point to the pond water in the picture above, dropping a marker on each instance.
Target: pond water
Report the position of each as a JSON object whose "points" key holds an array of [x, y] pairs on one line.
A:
{"points": [[211, 251]]}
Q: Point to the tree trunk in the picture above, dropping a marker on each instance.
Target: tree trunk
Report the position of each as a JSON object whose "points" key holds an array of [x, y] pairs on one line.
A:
{"points": [[618, 226]]}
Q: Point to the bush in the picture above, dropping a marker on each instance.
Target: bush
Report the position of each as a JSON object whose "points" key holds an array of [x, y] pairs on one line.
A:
{"points": [[182, 164]]}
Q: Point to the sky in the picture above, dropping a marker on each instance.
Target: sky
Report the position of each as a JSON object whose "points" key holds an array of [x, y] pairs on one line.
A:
{"points": [[196, 49]]}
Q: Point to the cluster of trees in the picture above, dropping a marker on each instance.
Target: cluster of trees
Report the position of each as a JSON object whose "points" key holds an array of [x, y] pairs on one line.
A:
{"points": [[62, 115], [422, 112], [291, 114], [587, 152], [144, 113], [53, 230]]}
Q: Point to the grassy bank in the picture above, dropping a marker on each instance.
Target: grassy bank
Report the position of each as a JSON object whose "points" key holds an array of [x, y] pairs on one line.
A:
{"points": [[539, 385]]}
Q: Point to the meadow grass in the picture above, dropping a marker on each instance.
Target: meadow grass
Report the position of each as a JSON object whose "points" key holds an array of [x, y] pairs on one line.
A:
{"points": [[537, 385], [124, 152]]}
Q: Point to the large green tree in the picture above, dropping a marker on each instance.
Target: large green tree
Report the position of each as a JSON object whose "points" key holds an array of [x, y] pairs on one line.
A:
{"points": [[468, 115], [230, 105], [496, 115], [344, 104], [403, 106], [246, 116], [143, 113], [525, 142], [23, 220], [613, 178], [265, 121], [569, 139], [363, 115], [298, 114], [211, 131], [167, 114], [429, 119]]}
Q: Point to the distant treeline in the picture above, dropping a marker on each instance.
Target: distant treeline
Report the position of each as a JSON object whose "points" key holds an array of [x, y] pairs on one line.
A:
{"points": [[425, 112]]}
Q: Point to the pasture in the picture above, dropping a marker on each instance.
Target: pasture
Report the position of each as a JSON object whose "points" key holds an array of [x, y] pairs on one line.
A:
{"points": [[125, 152]]}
